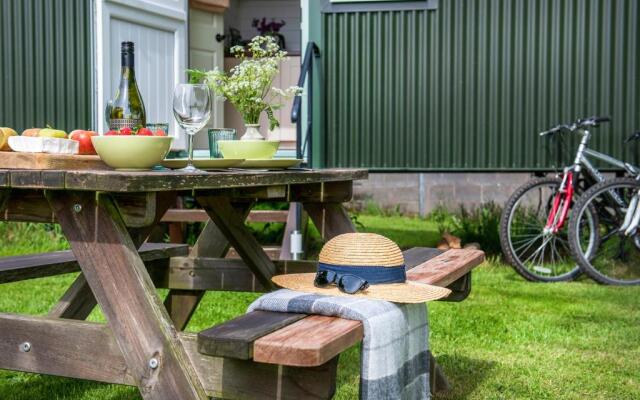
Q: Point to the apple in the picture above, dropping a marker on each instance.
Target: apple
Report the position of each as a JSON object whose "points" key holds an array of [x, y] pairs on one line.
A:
{"points": [[126, 131], [144, 132], [52, 133], [84, 138], [31, 132]]}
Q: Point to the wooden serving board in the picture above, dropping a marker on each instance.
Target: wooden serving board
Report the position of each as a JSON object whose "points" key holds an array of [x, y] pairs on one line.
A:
{"points": [[14, 160]]}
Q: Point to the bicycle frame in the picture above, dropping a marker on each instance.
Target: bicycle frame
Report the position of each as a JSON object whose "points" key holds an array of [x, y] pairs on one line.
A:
{"points": [[564, 197]]}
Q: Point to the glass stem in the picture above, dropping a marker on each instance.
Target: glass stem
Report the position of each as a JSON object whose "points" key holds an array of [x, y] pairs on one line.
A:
{"points": [[190, 160]]}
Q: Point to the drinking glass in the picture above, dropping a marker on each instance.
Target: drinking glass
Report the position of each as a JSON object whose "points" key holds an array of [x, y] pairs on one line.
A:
{"points": [[192, 109], [159, 126], [217, 134]]}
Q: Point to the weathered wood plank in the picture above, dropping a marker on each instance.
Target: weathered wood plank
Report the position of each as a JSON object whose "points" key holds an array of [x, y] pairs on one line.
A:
{"points": [[226, 274], [120, 181], [309, 342], [76, 303], [242, 379], [198, 215], [61, 347], [447, 267], [181, 304], [37, 179], [118, 278], [417, 255], [27, 206], [235, 338], [331, 219], [137, 209], [40, 265], [322, 192], [231, 223], [87, 350]]}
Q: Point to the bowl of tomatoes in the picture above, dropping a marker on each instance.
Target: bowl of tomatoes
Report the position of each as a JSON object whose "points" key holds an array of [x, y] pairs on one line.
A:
{"points": [[132, 150]]}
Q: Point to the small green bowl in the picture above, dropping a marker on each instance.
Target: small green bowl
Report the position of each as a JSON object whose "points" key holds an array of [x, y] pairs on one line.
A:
{"points": [[248, 149], [132, 153]]}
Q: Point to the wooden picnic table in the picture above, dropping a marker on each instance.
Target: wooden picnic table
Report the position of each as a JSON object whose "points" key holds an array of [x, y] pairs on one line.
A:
{"points": [[106, 217]]}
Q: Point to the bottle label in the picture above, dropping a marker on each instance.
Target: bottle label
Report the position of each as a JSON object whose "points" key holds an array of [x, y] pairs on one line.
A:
{"points": [[117, 124]]}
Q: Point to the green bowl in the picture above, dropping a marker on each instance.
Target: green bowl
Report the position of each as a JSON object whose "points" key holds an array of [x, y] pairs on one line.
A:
{"points": [[132, 153], [248, 149]]}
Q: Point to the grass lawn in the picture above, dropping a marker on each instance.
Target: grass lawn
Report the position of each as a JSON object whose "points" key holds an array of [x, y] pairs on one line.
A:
{"points": [[510, 339]]}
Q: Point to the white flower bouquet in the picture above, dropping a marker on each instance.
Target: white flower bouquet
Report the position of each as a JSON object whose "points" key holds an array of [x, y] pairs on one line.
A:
{"points": [[248, 86]]}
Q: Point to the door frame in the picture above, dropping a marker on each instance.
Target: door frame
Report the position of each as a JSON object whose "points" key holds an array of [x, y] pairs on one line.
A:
{"points": [[152, 14]]}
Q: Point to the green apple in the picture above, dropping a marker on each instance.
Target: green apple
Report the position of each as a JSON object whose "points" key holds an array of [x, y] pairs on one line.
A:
{"points": [[54, 133]]}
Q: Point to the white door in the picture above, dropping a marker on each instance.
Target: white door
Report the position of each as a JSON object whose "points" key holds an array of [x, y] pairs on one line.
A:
{"points": [[159, 30], [206, 53]]}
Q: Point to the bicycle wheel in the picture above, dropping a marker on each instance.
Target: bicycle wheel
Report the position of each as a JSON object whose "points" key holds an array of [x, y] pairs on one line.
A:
{"points": [[535, 254], [616, 260]]}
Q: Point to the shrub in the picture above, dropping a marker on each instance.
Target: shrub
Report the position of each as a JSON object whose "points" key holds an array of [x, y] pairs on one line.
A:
{"points": [[480, 225]]}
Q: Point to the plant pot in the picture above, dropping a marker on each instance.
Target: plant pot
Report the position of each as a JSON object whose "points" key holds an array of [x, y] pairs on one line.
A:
{"points": [[252, 132]]}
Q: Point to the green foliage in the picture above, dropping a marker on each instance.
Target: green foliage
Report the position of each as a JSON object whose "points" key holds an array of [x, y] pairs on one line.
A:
{"points": [[480, 225], [553, 347]]}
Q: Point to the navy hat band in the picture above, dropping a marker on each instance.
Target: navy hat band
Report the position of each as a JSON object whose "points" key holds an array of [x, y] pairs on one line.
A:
{"points": [[372, 274]]}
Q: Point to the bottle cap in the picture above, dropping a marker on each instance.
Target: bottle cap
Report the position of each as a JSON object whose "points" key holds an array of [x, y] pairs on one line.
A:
{"points": [[126, 47]]}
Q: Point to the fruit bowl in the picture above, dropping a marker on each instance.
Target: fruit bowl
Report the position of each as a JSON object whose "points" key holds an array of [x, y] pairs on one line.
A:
{"points": [[249, 149], [132, 153]]}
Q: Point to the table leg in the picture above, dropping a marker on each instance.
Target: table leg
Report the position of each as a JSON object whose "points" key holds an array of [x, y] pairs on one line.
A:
{"points": [[78, 301], [230, 222], [181, 304], [331, 219], [119, 280]]}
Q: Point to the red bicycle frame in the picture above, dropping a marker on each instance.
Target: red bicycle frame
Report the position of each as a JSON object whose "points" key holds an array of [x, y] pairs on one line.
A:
{"points": [[561, 203]]}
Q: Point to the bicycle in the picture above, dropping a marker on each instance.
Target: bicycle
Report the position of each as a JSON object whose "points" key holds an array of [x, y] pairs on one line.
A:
{"points": [[616, 258], [533, 224]]}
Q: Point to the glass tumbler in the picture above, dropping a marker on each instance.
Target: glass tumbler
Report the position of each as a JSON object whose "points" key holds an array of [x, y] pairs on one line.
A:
{"points": [[216, 134]]}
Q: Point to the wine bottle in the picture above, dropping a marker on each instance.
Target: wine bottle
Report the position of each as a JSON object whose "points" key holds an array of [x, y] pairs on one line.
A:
{"points": [[127, 109]]}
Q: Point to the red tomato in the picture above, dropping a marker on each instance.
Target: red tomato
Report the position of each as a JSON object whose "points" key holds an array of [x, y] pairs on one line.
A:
{"points": [[126, 131], [111, 133], [160, 132], [145, 132], [84, 138]]}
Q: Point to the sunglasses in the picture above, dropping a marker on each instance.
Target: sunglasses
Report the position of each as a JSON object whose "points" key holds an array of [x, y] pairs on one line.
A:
{"points": [[346, 283]]}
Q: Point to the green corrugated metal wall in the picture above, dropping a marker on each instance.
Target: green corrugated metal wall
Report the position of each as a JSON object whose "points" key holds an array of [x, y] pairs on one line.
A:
{"points": [[45, 65], [468, 86]]}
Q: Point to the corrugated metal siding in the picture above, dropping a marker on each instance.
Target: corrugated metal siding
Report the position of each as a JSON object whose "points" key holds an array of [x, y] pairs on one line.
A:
{"points": [[45, 63], [469, 85]]}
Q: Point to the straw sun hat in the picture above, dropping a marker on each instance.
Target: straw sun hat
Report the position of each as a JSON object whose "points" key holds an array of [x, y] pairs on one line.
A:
{"points": [[368, 256]]}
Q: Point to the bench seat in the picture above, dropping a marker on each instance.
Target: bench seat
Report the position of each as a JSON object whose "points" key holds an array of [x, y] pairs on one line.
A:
{"points": [[17, 268], [307, 341]]}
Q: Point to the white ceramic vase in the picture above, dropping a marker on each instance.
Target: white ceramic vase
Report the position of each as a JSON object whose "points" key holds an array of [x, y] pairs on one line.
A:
{"points": [[252, 132]]}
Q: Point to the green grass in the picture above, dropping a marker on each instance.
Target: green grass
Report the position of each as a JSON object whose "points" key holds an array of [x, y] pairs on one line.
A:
{"points": [[510, 339]]}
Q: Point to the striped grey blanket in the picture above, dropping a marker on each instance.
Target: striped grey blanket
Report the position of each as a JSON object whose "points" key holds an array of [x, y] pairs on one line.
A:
{"points": [[394, 359]]}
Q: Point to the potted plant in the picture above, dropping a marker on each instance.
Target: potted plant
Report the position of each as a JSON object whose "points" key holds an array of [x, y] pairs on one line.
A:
{"points": [[248, 86]]}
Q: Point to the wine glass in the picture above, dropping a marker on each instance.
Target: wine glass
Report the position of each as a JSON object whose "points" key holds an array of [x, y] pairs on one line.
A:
{"points": [[192, 109]]}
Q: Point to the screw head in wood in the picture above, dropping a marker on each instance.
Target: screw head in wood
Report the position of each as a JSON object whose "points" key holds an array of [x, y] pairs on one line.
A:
{"points": [[153, 363], [77, 208], [25, 347]]}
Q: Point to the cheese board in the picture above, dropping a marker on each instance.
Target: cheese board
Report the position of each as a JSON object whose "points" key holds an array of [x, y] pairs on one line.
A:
{"points": [[15, 160]]}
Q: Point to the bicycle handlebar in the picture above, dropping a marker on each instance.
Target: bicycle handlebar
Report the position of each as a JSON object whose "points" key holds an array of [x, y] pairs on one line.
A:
{"points": [[580, 123]]}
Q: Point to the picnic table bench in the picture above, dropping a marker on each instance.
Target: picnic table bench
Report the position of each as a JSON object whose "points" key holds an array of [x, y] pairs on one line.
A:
{"points": [[107, 216]]}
